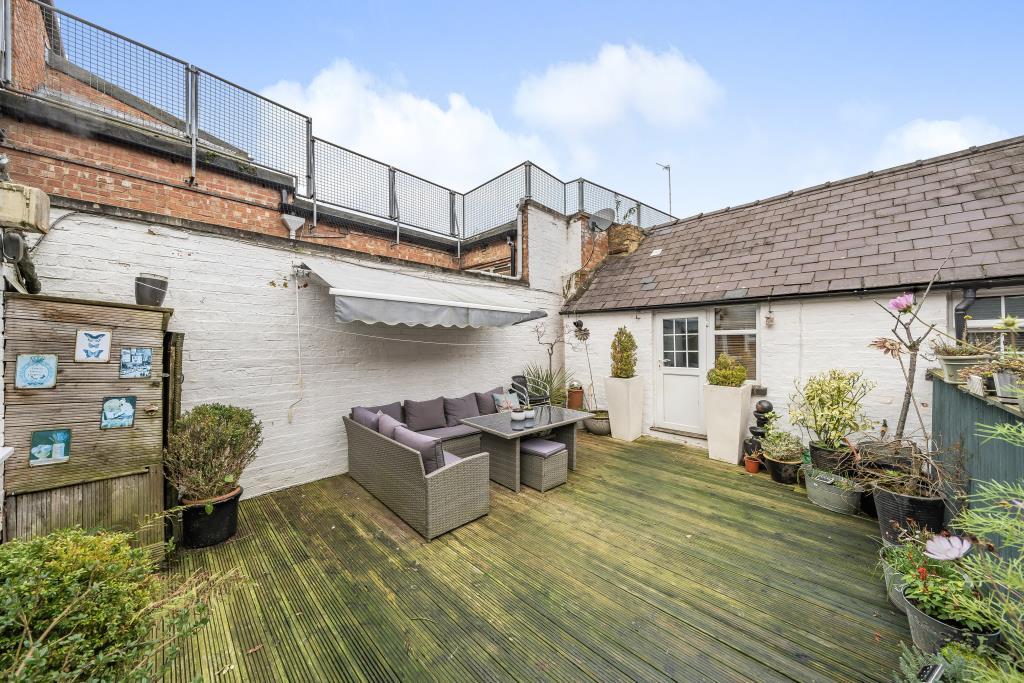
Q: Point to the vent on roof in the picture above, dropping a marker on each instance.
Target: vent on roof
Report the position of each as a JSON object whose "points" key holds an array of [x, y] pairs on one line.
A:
{"points": [[656, 252], [647, 283]]}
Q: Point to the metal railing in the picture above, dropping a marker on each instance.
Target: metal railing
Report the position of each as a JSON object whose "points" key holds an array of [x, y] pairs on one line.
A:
{"points": [[84, 65]]}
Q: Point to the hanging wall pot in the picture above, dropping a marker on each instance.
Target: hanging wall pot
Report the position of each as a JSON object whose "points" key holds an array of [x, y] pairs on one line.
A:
{"points": [[150, 289]]}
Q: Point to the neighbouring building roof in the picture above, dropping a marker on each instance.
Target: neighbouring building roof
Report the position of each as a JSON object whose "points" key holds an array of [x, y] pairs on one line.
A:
{"points": [[884, 229]]}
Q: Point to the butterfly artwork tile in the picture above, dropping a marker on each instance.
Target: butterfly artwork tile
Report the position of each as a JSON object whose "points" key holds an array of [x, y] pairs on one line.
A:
{"points": [[92, 346]]}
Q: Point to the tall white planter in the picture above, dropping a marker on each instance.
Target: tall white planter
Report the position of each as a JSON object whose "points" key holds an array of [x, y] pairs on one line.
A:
{"points": [[625, 399], [726, 416]]}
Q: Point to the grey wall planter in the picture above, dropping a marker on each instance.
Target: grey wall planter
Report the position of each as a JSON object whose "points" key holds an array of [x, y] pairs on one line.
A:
{"points": [[832, 492], [894, 584]]}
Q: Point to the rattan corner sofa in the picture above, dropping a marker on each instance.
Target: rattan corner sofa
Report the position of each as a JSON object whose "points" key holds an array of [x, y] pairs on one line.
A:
{"points": [[431, 503]]}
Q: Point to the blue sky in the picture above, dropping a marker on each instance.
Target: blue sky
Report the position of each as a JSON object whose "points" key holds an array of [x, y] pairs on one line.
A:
{"points": [[744, 99]]}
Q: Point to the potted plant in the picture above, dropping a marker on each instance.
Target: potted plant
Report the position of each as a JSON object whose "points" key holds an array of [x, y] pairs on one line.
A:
{"points": [[624, 391], [208, 449], [598, 423], [783, 453], [726, 409], [574, 396], [752, 463], [1008, 376], [833, 492], [944, 604], [829, 406], [955, 355]]}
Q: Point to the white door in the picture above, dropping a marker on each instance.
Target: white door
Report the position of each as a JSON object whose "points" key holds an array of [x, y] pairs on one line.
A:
{"points": [[679, 372]]}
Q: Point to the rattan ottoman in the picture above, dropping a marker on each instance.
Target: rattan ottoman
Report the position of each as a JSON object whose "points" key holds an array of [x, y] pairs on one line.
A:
{"points": [[543, 464]]}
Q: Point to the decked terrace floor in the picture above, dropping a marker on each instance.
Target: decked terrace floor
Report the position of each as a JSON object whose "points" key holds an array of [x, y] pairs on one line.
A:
{"points": [[652, 563]]}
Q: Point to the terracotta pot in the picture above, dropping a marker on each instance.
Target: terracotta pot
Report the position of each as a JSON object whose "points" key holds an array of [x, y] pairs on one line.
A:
{"points": [[575, 399], [753, 465]]}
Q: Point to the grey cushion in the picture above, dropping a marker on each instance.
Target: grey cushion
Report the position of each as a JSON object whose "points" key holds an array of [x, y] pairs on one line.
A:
{"points": [[542, 447], [508, 400], [366, 417], [420, 415], [429, 448], [485, 401], [457, 408], [386, 425], [445, 433], [392, 409], [450, 458]]}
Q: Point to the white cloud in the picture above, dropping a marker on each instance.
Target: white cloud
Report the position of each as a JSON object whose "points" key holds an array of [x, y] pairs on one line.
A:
{"points": [[664, 89], [923, 138], [455, 144]]}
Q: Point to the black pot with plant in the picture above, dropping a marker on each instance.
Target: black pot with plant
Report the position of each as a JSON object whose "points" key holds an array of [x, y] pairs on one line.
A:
{"points": [[829, 406], [209, 448], [783, 453]]}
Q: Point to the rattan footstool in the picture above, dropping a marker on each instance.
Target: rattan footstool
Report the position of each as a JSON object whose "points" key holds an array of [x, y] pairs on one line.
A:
{"points": [[543, 464]]}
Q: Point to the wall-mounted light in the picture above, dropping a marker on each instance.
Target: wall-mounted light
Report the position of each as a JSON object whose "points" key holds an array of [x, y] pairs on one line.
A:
{"points": [[769, 318]]}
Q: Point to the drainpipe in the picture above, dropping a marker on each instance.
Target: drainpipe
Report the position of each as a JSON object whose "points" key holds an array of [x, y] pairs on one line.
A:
{"points": [[960, 312]]}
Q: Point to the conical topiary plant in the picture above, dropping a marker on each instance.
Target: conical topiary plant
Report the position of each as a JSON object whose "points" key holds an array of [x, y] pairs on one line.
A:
{"points": [[623, 354]]}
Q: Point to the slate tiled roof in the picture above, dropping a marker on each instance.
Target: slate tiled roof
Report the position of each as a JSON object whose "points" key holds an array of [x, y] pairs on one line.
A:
{"points": [[886, 229]]}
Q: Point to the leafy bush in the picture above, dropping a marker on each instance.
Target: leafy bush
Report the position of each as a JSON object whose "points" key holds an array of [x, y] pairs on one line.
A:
{"points": [[728, 372], [782, 446], [554, 382], [942, 347], [209, 448], [623, 354], [829, 406], [78, 606]]}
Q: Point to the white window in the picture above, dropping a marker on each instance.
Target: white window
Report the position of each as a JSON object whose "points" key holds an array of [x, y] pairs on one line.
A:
{"points": [[735, 332], [986, 312]]}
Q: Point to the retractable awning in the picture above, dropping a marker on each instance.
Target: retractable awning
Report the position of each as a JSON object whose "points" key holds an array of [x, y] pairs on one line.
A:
{"points": [[380, 295]]}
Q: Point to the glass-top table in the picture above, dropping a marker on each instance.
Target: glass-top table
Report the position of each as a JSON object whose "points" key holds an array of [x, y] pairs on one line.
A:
{"points": [[500, 436]]}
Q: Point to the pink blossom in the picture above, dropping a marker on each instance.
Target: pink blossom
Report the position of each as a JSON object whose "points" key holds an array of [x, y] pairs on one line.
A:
{"points": [[904, 303]]}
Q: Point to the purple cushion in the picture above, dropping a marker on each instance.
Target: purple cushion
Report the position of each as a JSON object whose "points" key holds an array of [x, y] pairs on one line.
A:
{"points": [[485, 401], [542, 447], [429, 448], [420, 415], [392, 409], [386, 425], [450, 458], [366, 417], [457, 408], [446, 433]]}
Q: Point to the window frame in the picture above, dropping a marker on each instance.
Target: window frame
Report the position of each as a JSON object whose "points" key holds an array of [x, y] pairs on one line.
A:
{"points": [[756, 331], [985, 325]]}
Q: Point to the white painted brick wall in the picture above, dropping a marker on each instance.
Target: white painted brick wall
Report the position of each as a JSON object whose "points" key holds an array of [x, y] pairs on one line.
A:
{"points": [[241, 346], [808, 337], [554, 250]]}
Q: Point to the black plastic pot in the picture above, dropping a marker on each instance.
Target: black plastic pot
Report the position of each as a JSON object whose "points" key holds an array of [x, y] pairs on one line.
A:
{"points": [[898, 512], [831, 460], [782, 472], [867, 504], [150, 289], [209, 522]]}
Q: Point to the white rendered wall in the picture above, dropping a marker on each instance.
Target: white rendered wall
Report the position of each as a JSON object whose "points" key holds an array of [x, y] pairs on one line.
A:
{"points": [[807, 337], [236, 302]]}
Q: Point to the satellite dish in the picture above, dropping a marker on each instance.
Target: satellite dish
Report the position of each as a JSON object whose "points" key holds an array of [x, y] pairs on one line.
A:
{"points": [[602, 220]]}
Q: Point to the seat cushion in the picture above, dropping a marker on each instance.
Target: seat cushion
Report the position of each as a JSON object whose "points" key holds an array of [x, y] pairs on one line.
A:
{"points": [[542, 447], [366, 417], [420, 415], [429, 448], [450, 458], [457, 408], [386, 425], [485, 401], [392, 409], [446, 433]]}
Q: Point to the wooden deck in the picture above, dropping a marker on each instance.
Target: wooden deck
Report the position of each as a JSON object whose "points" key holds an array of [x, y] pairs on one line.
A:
{"points": [[652, 563]]}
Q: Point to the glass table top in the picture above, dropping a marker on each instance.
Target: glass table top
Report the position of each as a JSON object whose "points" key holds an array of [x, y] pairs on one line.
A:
{"points": [[545, 417]]}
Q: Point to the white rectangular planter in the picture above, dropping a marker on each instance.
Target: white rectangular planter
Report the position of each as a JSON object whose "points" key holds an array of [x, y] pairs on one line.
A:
{"points": [[625, 399], [726, 415]]}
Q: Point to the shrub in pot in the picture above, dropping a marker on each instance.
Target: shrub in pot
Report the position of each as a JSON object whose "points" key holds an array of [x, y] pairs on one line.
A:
{"points": [[208, 449], [726, 409], [81, 606], [833, 492], [624, 391], [783, 454], [829, 406]]}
